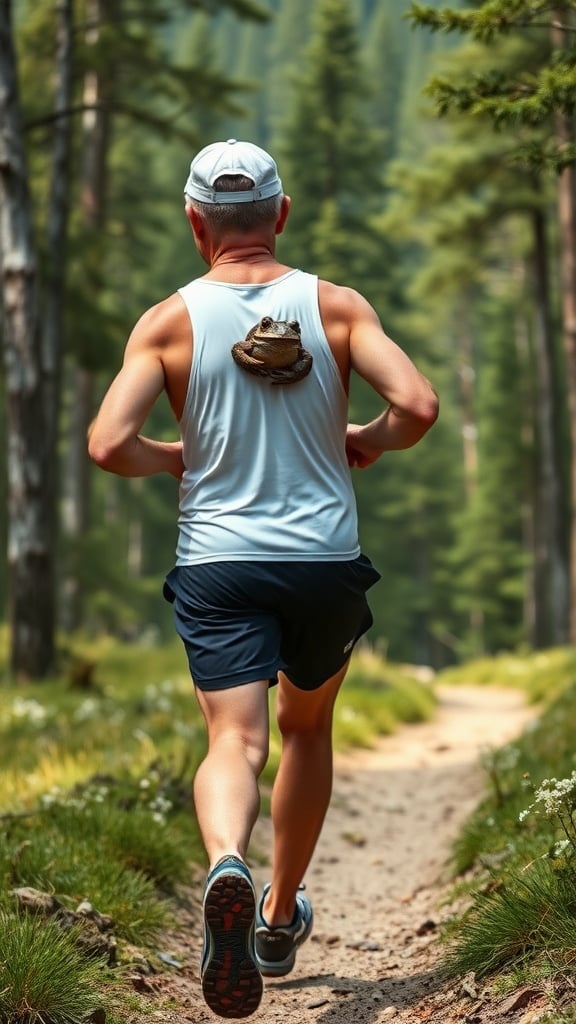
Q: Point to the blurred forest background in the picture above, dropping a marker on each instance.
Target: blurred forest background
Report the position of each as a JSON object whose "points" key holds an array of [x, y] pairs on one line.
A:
{"points": [[447, 204]]}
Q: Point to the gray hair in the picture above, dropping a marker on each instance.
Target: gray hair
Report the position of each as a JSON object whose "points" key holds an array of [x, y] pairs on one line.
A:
{"points": [[237, 216]]}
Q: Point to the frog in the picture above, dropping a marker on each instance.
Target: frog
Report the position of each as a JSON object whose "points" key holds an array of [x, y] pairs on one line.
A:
{"points": [[273, 349]]}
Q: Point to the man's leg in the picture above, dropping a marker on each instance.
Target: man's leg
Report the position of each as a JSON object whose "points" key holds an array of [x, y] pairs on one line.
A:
{"points": [[302, 789], [227, 802], [226, 791]]}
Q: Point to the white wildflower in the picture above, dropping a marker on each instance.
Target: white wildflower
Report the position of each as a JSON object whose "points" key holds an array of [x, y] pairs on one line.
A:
{"points": [[51, 797], [160, 804], [553, 794], [29, 710], [88, 709]]}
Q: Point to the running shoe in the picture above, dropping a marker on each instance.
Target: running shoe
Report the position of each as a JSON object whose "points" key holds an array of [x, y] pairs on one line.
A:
{"points": [[231, 982], [276, 947]]}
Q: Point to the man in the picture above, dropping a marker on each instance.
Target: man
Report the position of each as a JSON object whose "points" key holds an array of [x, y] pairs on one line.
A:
{"points": [[269, 584]]}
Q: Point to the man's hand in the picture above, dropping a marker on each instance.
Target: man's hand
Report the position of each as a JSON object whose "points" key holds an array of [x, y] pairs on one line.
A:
{"points": [[359, 452], [176, 463]]}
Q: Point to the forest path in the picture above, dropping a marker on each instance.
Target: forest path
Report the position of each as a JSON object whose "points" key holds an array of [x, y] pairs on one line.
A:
{"points": [[376, 877]]}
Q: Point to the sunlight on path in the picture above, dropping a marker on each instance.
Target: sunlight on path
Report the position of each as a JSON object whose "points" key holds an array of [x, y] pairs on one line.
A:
{"points": [[468, 720]]}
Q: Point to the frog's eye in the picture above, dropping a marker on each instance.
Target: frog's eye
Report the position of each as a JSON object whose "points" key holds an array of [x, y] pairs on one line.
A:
{"points": [[294, 325], [266, 322]]}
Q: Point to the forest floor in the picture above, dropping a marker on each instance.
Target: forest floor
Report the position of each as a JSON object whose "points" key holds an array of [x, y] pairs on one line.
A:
{"points": [[376, 882]]}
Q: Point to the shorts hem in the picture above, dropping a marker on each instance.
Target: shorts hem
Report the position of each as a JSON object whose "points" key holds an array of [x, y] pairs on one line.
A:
{"points": [[229, 682], [308, 687]]}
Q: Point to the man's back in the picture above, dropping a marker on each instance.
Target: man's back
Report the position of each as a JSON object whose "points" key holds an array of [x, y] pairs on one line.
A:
{"points": [[266, 474]]}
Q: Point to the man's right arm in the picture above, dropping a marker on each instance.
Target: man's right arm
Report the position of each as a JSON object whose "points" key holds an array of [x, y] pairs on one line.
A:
{"points": [[114, 439]]}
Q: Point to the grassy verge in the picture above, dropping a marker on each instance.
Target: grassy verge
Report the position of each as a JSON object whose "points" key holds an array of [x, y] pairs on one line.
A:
{"points": [[517, 853], [96, 813]]}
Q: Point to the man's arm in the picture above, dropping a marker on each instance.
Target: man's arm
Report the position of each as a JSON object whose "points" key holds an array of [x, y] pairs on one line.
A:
{"points": [[114, 439], [412, 402]]}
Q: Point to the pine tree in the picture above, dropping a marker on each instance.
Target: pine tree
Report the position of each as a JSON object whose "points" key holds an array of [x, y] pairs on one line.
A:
{"points": [[473, 236], [385, 67], [331, 158], [290, 32], [542, 99]]}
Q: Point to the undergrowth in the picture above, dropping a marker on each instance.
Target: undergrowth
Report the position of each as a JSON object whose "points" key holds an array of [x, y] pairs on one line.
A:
{"points": [[43, 977], [517, 852]]}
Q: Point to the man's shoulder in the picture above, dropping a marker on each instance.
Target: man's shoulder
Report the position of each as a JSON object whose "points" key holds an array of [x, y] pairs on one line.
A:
{"points": [[160, 322], [339, 300]]}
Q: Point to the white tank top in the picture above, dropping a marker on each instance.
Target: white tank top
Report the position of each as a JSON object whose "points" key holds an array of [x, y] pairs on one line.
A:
{"points": [[266, 474]]}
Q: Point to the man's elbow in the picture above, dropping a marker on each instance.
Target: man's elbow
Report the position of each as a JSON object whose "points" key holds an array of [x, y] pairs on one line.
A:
{"points": [[428, 409], [101, 454], [422, 408], [103, 451]]}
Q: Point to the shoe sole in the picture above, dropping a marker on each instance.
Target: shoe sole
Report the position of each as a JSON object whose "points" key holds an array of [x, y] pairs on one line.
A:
{"points": [[231, 982]]}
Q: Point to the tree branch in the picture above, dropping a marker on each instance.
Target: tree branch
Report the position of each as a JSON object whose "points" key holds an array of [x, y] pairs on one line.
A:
{"points": [[162, 124]]}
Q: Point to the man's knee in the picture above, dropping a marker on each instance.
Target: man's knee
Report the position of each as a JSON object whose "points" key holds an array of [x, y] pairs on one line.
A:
{"points": [[307, 712], [250, 743], [295, 720], [256, 751]]}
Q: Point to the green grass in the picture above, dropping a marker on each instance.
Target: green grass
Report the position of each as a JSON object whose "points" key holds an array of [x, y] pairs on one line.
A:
{"points": [[542, 675], [530, 918], [523, 914], [561, 1017], [43, 977]]}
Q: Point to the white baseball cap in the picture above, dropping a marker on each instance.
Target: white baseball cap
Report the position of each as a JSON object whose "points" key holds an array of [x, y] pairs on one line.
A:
{"points": [[232, 157]]}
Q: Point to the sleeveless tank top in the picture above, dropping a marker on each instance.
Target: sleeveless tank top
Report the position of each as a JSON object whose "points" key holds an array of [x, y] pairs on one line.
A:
{"points": [[266, 474]]}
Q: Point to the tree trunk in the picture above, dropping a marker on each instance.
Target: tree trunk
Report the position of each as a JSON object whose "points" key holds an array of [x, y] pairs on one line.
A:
{"points": [[466, 381], [30, 553], [95, 144], [567, 224], [469, 429], [551, 571], [57, 234], [567, 240]]}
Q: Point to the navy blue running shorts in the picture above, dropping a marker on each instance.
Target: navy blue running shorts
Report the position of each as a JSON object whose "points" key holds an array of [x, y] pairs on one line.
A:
{"points": [[244, 621]]}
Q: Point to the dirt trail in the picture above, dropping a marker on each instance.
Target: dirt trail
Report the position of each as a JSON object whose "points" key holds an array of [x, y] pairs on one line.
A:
{"points": [[376, 876]]}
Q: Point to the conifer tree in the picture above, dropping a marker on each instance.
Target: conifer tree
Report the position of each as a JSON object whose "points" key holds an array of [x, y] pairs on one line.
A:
{"points": [[541, 98], [289, 35], [385, 67], [331, 158]]}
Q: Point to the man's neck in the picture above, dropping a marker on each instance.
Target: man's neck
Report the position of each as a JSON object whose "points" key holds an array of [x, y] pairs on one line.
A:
{"points": [[243, 254], [244, 263]]}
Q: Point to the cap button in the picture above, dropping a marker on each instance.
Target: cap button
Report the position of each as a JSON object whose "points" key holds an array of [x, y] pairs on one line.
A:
{"points": [[231, 141]]}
